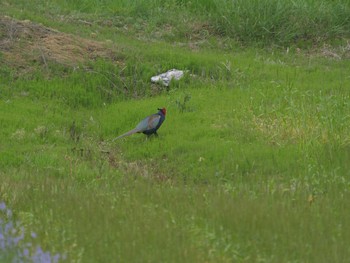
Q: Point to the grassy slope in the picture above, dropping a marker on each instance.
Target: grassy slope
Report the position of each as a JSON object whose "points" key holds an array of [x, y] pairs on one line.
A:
{"points": [[254, 167]]}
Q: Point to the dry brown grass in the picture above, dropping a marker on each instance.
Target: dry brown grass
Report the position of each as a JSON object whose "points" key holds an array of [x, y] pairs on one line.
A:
{"points": [[24, 43]]}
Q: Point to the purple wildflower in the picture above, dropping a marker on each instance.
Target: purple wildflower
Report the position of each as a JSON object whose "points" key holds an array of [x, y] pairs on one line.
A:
{"points": [[2, 206], [12, 245], [8, 228], [41, 256], [56, 258], [17, 239], [33, 235], [26, 252]]}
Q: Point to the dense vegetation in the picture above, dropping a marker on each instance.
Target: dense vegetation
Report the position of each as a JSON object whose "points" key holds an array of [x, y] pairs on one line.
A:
{"points": [[251, 165], [258, 22]]}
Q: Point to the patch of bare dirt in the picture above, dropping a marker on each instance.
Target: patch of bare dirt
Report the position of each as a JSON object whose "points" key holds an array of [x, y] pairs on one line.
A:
{"points": [[340, 52], [24, 43]]}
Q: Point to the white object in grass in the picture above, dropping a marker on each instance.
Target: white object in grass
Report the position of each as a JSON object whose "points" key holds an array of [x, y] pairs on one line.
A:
{"points": [[166, 77]]}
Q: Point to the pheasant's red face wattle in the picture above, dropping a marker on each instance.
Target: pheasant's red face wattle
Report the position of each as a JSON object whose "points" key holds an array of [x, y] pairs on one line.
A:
{"points": [[164, 111]]}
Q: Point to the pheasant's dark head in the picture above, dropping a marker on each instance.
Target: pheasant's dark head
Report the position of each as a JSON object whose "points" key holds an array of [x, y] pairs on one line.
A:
{"points": [[163, 110]]}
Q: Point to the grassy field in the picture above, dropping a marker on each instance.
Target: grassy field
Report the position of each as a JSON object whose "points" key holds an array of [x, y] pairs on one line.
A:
{"points": [[251, 165]]}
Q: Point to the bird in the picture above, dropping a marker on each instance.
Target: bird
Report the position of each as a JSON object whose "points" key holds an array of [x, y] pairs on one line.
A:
{"points": [[148, 125]]}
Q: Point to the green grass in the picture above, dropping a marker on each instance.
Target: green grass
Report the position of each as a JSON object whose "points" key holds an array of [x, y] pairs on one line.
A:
{"points": [[251, 164], [262, 23]]}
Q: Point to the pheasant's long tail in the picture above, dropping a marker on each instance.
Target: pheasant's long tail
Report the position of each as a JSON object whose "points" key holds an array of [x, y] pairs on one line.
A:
{"points": [[126, 134]]}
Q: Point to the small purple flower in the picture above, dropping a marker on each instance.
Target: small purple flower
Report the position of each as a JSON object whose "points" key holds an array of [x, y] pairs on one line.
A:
{"points": [[41, 256], [33, 235], [12, 236], [26, 252], [56, 258], [8, 227], [2, 244], [2, 206], [17, 239]]}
